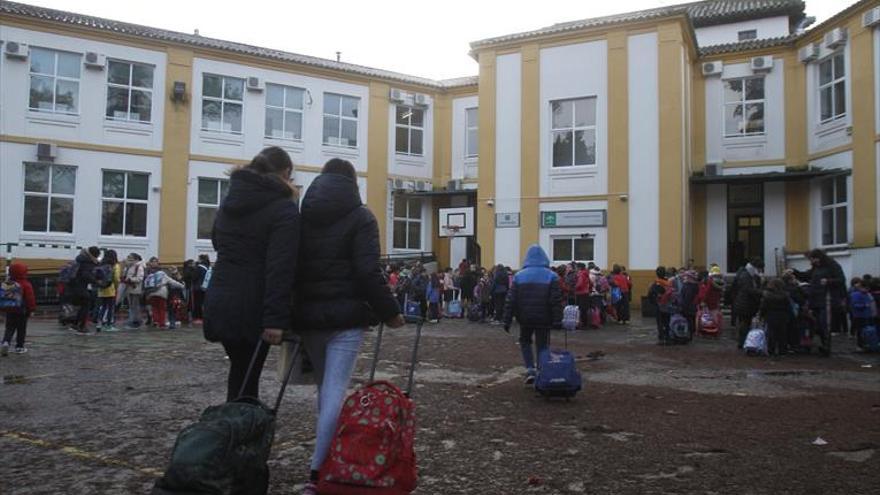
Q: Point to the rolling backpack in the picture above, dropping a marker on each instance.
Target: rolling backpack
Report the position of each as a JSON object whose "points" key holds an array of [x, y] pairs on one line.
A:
{"points": [[678, 329], [709, 322], [571, 317], [153, 282], [668, 301], [558, 375], [454, 308], [103, 276], [870, 338], [11, 297], [616, 294], [412, 310], [756, 341]]}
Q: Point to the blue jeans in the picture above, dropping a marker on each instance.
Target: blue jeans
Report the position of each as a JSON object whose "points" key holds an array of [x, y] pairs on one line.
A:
{"points": [[107, 311], [525, 344], [333, 362]]}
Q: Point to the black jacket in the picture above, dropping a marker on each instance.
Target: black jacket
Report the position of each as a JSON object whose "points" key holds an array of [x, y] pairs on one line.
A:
{"points": [[836, 283], [256, 234], [776, 303], [78, 288], [535, 297], [688, 293], [746, 294], [340, 283]]}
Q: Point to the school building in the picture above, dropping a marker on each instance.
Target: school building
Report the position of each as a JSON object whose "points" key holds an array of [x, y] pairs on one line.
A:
{"points": [[711, 131]]}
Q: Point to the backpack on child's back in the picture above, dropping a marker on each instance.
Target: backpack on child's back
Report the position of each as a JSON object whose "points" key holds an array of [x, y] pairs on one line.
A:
{"points": [[11, 296]]}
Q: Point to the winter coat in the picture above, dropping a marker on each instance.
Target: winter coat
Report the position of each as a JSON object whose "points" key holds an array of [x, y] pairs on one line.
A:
{"points": [[340, 283], [861, 304], [775, 303], [18, 272], [836, 283], [501, 282], [688, 297], [468, 282], [133, 278], [417, 287], [164, 283], [535, 298], [432, 294], [78, 288], [256, 235], [198, 276], [710, 293], [747, 294], [582, 283], [622, 282]]}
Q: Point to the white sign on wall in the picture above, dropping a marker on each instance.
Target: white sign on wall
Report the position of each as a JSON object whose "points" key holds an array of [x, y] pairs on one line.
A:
{"points": [[579, 218], [506, 220]]}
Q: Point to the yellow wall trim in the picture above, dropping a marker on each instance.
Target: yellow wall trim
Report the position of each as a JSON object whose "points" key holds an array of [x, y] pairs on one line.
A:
{"points": [[795, 111], [568, 199], [753, 163], [530, 133], [377, 158], [830, 151], [864, 158], [235, 162], [671, 212], [486, 164], [75, 145], [618, 146]]}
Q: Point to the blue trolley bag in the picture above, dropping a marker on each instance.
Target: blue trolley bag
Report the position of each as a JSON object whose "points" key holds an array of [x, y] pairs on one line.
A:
{"points": [[558, 375]]}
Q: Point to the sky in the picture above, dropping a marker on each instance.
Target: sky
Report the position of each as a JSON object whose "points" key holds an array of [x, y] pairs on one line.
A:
{"points": [[415, 37]]}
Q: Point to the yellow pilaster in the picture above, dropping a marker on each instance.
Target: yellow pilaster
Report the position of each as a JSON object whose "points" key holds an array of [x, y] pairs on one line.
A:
{"points": [[698, 226], [618, 148], [797, 216], [529, 142], [795, 111], [442, 170], [864, 161], [377, 158], [175, 159], [486, 164], [671, 212]]}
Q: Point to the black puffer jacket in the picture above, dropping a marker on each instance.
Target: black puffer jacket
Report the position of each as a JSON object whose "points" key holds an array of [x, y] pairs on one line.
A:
{"points": [[836, 283], [78, 288], [340, 283], [256, 234], [746, 294], [535, 297]]}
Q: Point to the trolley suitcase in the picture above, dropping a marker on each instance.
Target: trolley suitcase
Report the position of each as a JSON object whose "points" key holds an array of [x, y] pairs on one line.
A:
{"points": [[571, 317], [558, 375], [454, 308], [709, 322]]}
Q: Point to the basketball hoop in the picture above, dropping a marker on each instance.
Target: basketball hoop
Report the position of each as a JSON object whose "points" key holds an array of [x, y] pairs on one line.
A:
{"points": [[451, 230]]}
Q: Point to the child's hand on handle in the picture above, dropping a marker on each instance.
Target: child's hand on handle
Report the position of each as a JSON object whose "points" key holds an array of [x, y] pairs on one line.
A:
{"points": [[273, 336], [396, 322]]}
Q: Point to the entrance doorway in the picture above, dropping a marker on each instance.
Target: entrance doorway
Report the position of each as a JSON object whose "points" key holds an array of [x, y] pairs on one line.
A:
{"points": [[745, 224]]}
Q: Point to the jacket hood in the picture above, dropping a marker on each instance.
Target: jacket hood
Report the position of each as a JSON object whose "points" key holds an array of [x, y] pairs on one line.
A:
{"points": [[18, 271], [330, 198], [536, 256], [250, 192], [85, 257]]}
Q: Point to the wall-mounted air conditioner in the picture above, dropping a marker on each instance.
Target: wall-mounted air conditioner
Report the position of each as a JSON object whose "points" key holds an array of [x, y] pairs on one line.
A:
{"points": [[420, 100], [713, 68], [871, 17], [16, 50], [808, 53], [712, 169], [47, 151], [454, 185], [255, 84], [396, 95], [835, 38], [761, 63], [94, 60]]}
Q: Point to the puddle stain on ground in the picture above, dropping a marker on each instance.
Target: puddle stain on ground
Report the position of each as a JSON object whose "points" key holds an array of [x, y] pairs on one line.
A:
{"points": [[15, 380]]}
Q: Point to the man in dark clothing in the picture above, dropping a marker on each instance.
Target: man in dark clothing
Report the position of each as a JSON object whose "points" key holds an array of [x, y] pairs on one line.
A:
{"points": [[690, 288], [827, 286], [198, 281], [78, 290], [500, 285], [746, 297], [535, 298]]}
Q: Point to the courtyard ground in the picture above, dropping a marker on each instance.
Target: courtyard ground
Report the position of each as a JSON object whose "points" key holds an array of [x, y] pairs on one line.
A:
{"points": [[99, 414]]}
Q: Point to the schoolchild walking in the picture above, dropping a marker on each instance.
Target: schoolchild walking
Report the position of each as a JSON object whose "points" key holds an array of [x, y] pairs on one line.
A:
{"points": [[862, 307], [620, 293], [582, 288], [19, 295], [80, 288], [775, 310], [656, 292], [500, 286], [157, 286], [433, 294], [198, 289]]}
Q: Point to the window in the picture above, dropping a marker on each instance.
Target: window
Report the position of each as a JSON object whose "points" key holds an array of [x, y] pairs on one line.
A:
{"points": [[222, 103], [211, 194], [832, 88], [407, 223], [124, 211], [749, 34], [566, 249], [340, 120], [574, 132], [471, 137], [129, 91], [834, 217], [54, 81], [48, 198], [744, 106], [410, 130], [284, 112]]}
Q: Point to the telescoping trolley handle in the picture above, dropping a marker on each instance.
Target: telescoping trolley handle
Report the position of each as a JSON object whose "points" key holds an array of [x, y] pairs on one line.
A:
{"points": [[413, 360], [287, 374]]}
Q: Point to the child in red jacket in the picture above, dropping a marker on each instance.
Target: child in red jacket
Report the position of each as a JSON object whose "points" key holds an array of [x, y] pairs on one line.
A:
{"points": [[17, 318]]}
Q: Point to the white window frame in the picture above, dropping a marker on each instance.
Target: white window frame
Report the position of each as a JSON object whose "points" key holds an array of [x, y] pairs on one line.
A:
{"points": [[831, 86], [223, 101], [49, 195], [744, 102], [467, 132], [835, 205], [409, 223], [55, 78], [338, 115], [125, 201], [285, 110], [410, 127], [574, 129], [572, 239], [214, 206], [129, 87]]}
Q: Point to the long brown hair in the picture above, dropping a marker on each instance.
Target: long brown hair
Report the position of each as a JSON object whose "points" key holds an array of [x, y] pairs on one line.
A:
{"points": [[271, 162]]}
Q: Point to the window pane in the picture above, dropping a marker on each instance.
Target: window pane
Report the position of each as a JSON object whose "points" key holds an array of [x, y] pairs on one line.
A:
{"points": [[839, 66], [331, 130], [274, 122], [472, 144], [232, 117], [825, 103], [111, 218], [349, 107], [414, 235], [583, 249], [206, 222], [418, 117], [562, 250], [840, 226], [403, 114], [117, 103], [827, 192], [212, 86], [36, 178], [141, 105], [755, 88], [35, 212], [211, 115], [61, 219], [137, 186], [401, 140], [755, 118], [471, 117], [399, 207], [839, 99], [294, 98], [585, 112], [136, 219], [825, 72], [274, 95], [585, 147], [828, 226], [349, 133], [208, 191], [63, 180], [233, 88], [415, 144], [415, 209], [562, 114], [224, 189], [142, 76], [42, 91], [118, 72], [399, 235], [331, 104], [42, 61], [68, 65], [562, 152], [733, 90], [66, 96], [292, 125], [114, 185], [733, 119], [840, 186]]}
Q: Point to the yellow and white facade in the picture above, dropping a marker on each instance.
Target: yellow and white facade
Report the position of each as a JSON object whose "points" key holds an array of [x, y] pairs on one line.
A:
{"points": [[706, 132]]}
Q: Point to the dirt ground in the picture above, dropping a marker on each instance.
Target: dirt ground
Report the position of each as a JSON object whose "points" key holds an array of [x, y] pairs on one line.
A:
{"points": [[99, 414]]}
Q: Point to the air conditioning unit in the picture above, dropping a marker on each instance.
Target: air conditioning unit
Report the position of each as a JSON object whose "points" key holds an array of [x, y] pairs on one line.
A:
{"points": [[835, 38], [17, 50], [871, 17], [712, 169], [396, 95], [398, 185], [47, 151], [761, 63], [254, 84], [808, 53], [94, 60], [454, 185], [713, 68], [420, 185], [420, 100]]}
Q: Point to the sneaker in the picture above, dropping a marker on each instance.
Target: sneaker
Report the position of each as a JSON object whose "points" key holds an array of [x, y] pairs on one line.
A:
{"points": [[111, 328], [132, 327], [310, 489], [530, 380], [4, 349], [81, 331], [20, 350]]}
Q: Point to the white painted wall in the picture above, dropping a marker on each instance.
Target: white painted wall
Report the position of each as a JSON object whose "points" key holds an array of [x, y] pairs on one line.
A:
{"points": [[836, 161], [572, 71], [832, 134], [90, 125], [771, 145], [768, 27], [508, 171], [600, 241], [310, 151], [774, 224], [644, 151], [462, 167], [411, 165], [716, 225]]}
